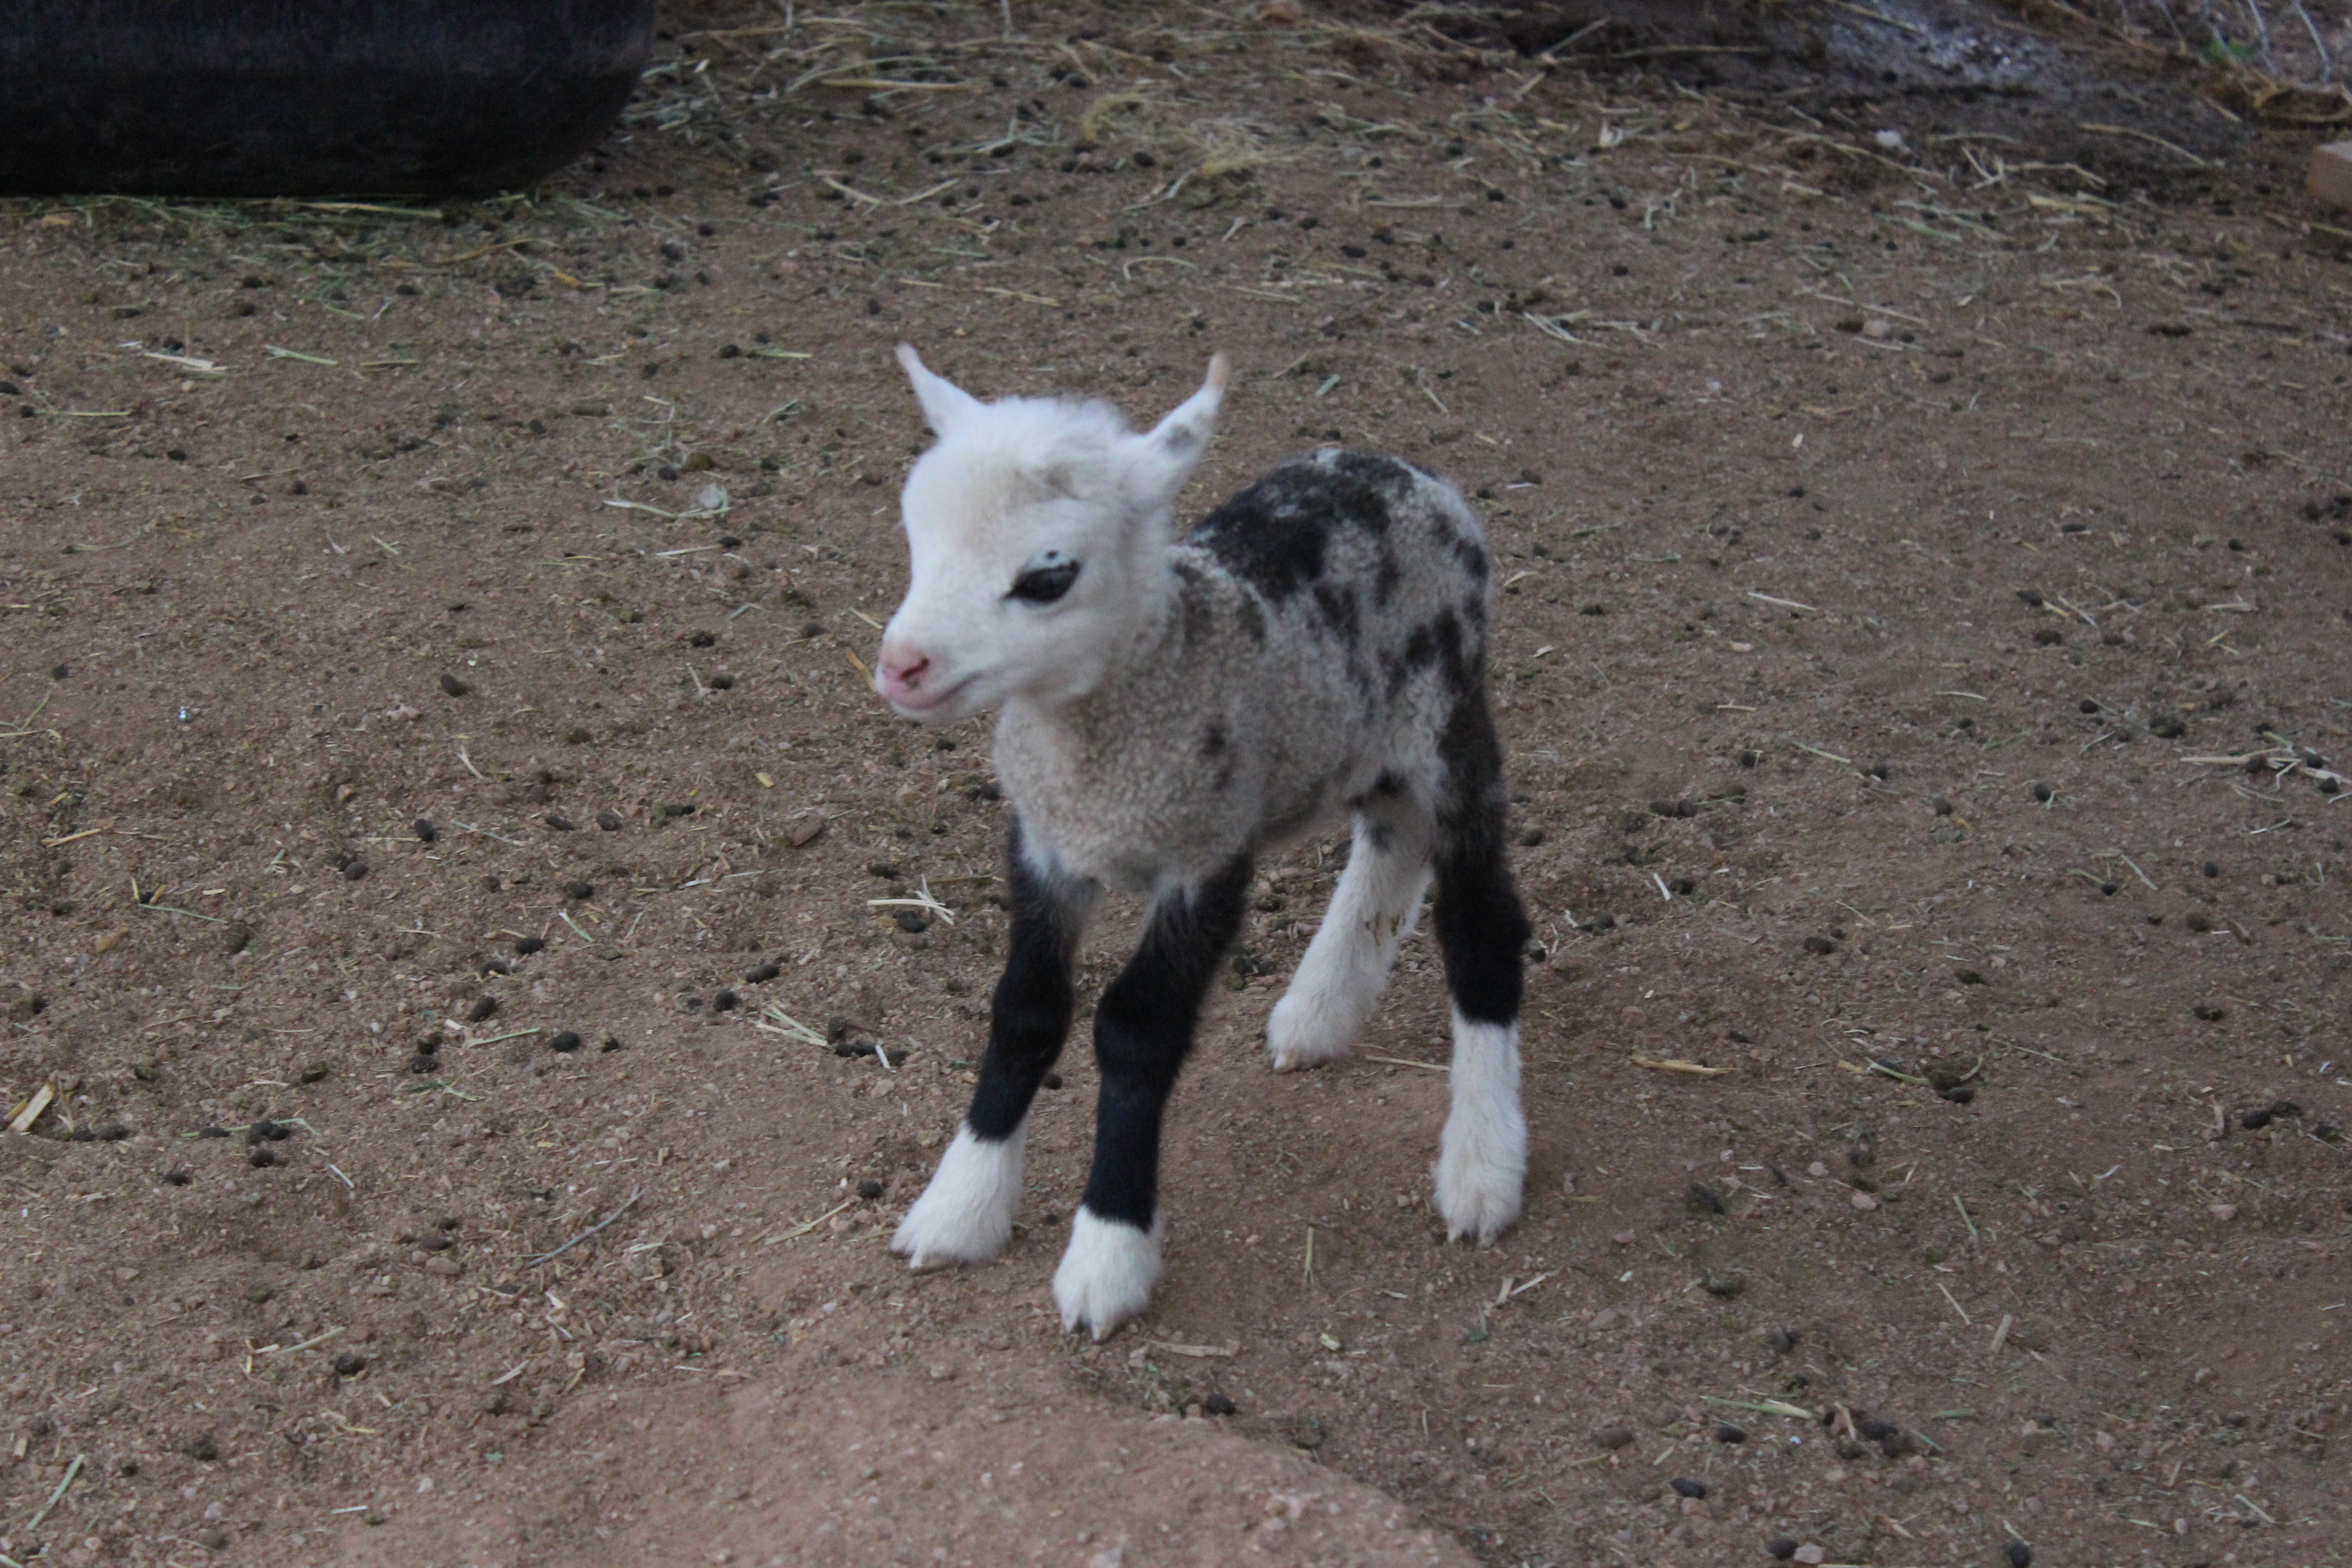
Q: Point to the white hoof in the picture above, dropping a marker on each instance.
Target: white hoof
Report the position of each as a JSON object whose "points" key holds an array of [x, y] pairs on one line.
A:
{"points": [[1482, 1162], [1107, 1275], [1307, 1031], [965, 1215]]}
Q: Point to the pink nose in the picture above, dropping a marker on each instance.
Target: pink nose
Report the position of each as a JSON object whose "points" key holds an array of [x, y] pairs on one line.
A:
{"points": [[902, 671]]}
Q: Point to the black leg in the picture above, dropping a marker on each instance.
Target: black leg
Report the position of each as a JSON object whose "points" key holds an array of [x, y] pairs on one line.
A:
{"points": [[1029, 1017], [1482, 1160], [1482, 928], [1143, 1028]]}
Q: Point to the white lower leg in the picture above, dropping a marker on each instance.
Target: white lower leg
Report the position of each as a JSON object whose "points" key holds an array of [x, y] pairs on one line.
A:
{"points": [[1338, 981], [965, 1215], [1482, 1162], [1107, 1275]]}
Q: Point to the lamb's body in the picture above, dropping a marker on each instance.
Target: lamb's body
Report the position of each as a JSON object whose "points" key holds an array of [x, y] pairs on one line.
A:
{"points": [[1323, 624], [1174, 708]]}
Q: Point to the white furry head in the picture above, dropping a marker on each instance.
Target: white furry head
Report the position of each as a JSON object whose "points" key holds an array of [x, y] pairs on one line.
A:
{"points": [[1038, 532]]}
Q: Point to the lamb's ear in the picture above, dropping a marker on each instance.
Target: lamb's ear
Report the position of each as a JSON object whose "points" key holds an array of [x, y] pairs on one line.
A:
{"points": [[944, 403], [1164, 458]]}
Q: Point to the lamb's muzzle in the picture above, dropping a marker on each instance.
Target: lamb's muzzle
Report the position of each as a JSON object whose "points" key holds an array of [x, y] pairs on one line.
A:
{"points": [[1174, 707]]}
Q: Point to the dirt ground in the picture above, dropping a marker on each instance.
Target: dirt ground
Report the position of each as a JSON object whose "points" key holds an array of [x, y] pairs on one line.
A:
{"points": [[457, 879]]}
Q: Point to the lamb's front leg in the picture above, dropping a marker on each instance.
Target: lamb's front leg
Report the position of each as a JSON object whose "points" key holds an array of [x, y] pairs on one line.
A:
{"points": [[1143, 1028], [965, 1215]]}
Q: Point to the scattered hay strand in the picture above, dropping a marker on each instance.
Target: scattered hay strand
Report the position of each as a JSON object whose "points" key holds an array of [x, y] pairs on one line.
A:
{"points": [[1676, 1064], [627, 1203]]}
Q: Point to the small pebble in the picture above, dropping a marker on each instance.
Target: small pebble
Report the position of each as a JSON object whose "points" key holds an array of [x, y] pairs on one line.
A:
{"points": [[1685, 1486], [565, 1041], [425, 832], [455, 686]]}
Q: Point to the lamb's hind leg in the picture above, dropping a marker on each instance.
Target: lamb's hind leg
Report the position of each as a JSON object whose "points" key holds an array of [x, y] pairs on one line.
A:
{"points": [[1340, 981], [965, 1215], [1482, 1159]]}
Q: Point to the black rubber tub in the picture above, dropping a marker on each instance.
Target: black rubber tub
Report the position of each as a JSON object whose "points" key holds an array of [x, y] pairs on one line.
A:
{"points": [[253, 98]]}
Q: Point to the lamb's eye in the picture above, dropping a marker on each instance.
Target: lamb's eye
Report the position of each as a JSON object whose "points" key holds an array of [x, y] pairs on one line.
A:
{"points": [[1047, 578]]}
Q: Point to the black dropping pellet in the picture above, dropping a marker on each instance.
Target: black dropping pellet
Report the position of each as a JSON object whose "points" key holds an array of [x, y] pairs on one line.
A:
{"points": [[2020, 1554], [610, 821], [566, 1041], [1724, 1432], [1052, 1080], [1704, 1199], [725, 1002], [2212, 867], [526, 945], [722, 683], [1685, 1486], [175, 1178], [1217, 1405], [350, 1364], [1780, 1548], [2254, 1120], [212, 1132], [579, 890], [315, 1073], [1781, 1341], [2042, 792], [483, 1007], [354, 869], [761, 975], [425, 830], [678, 808], [558, 821], [1819, 945], [261, 1159], [611, 1043], [701, 639], [912, 921], [455, 686], [1939, 805], [423, 1062], [869, 1189]]}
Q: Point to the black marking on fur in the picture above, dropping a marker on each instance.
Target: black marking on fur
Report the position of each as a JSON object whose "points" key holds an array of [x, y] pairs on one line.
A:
{"points": [[1471, 555], [1198, 605], [1276, 535], [1386, 577], [1143, 1029], [1252, 617], [1214, 741], [1338, 603], [1029, 1017]]}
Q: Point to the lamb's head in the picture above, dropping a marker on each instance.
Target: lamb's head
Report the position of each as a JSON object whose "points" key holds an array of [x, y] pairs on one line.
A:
{"points": [[1038, 533]]}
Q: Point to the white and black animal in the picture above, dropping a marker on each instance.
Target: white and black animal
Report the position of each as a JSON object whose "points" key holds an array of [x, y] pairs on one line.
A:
{"points": [[1176, 705]]}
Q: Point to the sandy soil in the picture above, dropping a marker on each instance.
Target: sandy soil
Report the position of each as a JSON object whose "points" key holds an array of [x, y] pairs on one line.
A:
{"points": [[444, 818]]}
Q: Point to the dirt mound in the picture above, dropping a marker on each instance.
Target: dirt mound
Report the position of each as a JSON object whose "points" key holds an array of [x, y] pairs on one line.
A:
{"points": [[848, 1466]]}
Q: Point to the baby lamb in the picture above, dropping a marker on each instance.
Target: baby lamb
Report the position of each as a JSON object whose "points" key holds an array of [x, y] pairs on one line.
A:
{"points": [[1176, 706]]}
